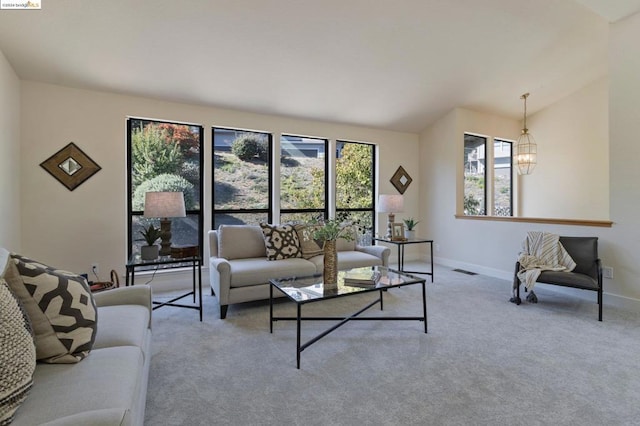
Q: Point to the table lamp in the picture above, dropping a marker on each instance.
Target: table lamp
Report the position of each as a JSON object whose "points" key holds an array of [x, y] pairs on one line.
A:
{"points": [[164, 205], [390, 204]]}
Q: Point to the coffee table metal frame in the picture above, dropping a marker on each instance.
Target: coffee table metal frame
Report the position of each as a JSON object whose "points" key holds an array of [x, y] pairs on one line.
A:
{"points": [[290, 286]]}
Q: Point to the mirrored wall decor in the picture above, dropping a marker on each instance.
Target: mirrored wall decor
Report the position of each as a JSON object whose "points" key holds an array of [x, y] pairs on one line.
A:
{"points": [[401, 180], [70, 166]]}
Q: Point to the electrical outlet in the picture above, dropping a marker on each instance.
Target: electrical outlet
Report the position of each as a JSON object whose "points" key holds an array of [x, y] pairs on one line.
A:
{"points": [[437, 247], [95, 269], [607, 272]]}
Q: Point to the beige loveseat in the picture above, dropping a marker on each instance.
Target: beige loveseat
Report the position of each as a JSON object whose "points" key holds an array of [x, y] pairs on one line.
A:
{"points": [[108, 386], [239, 270]]}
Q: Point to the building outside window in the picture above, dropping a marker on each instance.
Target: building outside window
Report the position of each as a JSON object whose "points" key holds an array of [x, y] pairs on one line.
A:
{"points": [[164, 156]]}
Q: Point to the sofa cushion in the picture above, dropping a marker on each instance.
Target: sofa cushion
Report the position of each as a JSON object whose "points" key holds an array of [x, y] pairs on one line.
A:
{"points": [[281, 241], [309, 246], [124, 325], [240, 241], [60, 306], [110, 379], [249, 272], [17, 354], [343, 244]]}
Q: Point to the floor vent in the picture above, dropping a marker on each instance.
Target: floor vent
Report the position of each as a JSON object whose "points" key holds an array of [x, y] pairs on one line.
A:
{"points": [[462, 271]]}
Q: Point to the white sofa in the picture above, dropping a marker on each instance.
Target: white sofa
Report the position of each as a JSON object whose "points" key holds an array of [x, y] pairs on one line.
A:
{"points": [[108, 387], [239, 270]]}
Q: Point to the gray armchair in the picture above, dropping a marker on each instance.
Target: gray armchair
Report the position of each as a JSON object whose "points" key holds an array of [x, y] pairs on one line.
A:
{"points": [[587, 275]]}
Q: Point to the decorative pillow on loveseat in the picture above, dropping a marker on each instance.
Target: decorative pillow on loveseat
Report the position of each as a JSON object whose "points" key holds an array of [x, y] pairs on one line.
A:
{"points": [[309, 246], [17, 354], [60, 306], [281, 241]]}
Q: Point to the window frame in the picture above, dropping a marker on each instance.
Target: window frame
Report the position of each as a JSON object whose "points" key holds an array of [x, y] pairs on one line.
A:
{"points": [[131, 213]]}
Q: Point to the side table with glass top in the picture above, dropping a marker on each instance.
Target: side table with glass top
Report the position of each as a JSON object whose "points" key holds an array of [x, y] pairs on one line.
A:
{"points": [[164, 262], [401, 244]]}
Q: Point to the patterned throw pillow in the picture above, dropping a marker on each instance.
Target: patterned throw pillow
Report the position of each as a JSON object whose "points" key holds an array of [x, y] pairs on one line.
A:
{"points": [[281, 241], [60, 306], [308, 245], [17, 355]]}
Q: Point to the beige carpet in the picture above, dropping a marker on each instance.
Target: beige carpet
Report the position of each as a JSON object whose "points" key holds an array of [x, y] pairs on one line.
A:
{"points": [[485, 361]]}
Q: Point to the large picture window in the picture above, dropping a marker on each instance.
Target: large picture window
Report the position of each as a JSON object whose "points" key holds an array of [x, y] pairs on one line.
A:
{"points": [[241, 177], [502, 178], [164, 156], [475, 175], [355, 188], [303, 178], [488, 176]]}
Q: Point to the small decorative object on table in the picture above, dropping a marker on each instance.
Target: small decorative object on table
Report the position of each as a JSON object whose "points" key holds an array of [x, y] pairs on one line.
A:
{"points": [[329, 231], [361, 277], [409, 231], [180, 252], [398, 232], [151, 234]]}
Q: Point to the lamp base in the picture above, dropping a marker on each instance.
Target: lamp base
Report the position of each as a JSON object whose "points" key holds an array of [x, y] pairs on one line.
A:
{"points": [[390, 220], [165, 237]]}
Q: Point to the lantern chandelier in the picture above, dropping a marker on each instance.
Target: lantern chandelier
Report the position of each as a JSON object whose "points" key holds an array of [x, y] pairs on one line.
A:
{"points": [[526, 147]]}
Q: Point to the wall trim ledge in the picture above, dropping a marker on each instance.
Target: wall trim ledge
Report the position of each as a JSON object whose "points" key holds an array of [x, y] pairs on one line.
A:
{"points": [[578, 222]]}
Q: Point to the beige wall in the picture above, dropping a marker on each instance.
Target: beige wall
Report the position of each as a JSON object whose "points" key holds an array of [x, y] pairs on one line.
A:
{"points": [[571, 179], [74, 229], [9, 157]]}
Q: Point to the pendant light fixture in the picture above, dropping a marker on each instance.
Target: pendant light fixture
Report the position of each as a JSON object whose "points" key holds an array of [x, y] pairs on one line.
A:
{"points": [[526, 147]]}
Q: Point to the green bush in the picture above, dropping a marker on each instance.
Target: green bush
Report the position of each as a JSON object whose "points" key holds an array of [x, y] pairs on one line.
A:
{"points": [[152, 154], [249, 146], [165, 182]]}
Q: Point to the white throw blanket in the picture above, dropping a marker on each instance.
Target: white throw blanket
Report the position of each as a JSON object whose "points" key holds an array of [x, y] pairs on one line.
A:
{"points": [[542, 251]]}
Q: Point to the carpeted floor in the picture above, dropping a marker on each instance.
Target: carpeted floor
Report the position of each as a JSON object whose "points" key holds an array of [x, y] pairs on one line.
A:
{"points": [[485, 361]]}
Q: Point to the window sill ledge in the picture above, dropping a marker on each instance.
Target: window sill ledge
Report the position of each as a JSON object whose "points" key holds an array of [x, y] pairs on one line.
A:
{"points": [[577, 222]]}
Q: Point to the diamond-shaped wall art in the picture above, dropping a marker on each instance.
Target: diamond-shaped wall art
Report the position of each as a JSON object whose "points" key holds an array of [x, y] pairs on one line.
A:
{"points": [[70, 166], [401, 180]]}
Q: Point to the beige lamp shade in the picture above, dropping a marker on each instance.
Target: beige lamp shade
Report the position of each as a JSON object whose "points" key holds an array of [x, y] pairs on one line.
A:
{"points": [[164, 204], [390, 203]]}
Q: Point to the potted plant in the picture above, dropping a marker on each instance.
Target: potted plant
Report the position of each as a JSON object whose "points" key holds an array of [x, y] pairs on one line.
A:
{"points": [[410, 224], [328, 232], [151, 234]]}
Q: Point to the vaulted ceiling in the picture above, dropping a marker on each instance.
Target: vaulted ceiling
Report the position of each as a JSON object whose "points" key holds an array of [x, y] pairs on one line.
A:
{"points": [[392, 64]]}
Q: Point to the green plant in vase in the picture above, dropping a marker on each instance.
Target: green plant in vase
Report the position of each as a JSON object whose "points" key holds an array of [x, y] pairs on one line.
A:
{"points": [[410, 225], [151, 234], [328, 232]]}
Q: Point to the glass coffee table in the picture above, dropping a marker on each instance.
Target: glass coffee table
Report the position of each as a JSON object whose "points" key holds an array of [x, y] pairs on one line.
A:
{"points": [[310, 289]]}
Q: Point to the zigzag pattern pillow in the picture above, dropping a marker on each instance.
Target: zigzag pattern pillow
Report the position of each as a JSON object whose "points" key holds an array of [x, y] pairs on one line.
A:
{"points": [[281, 241], [60, 306]]}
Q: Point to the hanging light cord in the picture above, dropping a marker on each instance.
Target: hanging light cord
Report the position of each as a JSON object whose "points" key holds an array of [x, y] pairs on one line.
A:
{"points": [[525, 96]]}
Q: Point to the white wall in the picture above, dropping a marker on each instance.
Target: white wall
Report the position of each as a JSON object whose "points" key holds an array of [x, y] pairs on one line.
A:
{"points": [[572, 137], [9, 157], [73, 229], [624, 116]]}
